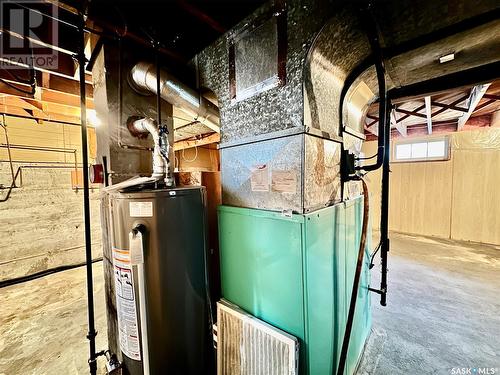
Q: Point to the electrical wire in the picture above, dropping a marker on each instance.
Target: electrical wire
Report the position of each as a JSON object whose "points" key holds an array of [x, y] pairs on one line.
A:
{"points": [[367, 158], [355, 284], [176, 162], [195, 155], [372, 256], [40, 274]]}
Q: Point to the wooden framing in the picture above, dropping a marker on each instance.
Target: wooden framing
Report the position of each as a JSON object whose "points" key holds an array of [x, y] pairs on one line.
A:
{"points": [[475, 97], [450, 110], [428, 113]]}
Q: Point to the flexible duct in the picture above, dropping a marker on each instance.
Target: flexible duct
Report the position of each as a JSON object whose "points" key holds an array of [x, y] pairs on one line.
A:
{"points": [[143, 78], [161, 163]]}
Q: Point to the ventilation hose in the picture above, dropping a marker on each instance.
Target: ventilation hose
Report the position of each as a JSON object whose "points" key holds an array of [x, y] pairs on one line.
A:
{"points": [[355, 284]]}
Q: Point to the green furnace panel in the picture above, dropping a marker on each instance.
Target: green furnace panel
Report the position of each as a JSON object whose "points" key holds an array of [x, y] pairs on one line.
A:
{"points": [[296, 273]]}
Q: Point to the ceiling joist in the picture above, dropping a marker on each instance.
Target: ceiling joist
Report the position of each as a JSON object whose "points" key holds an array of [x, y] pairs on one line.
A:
{"points": [[455, 109], [428, 113], [212, 138], [475, 97], [400, 126]]}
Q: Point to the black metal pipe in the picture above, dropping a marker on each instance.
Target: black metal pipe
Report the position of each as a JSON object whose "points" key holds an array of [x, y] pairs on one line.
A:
{"points": [[105, 170], [158, 85], [373, 38], [382, 116], [384, 214], [86, 202]]}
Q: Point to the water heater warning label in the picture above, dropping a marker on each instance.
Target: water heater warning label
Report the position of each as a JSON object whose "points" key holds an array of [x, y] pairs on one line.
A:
{"points": [[141, 209], [125, 304]]}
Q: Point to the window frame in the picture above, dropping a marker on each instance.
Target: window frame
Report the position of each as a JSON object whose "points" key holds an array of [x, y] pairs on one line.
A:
{"points": [[447, 148]]}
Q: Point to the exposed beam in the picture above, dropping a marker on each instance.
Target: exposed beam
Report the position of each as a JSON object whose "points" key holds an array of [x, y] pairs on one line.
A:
{"points": [[59, 97], [47, 80], [485, 104], [400, 126], [40, 116], [212, 138], [45, 96], [491, 96], [202, 16], [428, 113], [66, 66], [7, 90], [449, 106], [372, 130], [459, 100], [411, 113], [109, 30], [372, 123], [475, 96], [457, 80], [214, 128], [36, 41], [443, 127], [61, 5]]}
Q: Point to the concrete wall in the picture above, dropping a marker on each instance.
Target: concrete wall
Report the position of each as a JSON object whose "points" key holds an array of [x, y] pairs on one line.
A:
{"points": [[41, 224], [455, 199]]}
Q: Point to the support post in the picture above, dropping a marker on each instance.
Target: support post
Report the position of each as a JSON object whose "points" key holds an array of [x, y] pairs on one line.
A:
{"points": [[384, 217], [86, 201]]}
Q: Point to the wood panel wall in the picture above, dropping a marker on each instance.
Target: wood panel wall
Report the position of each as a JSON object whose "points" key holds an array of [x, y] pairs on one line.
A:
{"points": [[41, 224], [456, 199], [47, 134]]}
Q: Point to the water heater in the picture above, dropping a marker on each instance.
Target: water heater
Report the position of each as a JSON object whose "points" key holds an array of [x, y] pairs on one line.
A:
{"points": [[160, 279]]}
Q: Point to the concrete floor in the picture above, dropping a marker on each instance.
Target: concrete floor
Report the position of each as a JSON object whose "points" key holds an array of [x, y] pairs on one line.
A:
{"points": [[43, 324], [442, 313]]}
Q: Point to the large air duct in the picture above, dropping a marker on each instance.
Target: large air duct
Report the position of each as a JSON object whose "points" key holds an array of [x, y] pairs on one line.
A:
{"points": [[143, 79]]}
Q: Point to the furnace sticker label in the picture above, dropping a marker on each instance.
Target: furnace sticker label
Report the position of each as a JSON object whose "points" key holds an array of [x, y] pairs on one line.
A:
{"points": [[260, 178], [284, 182], [125, 304], [141, 209]]}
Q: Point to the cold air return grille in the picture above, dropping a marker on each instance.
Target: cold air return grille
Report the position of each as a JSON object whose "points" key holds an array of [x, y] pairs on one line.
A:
{"points": [[248, 346]]}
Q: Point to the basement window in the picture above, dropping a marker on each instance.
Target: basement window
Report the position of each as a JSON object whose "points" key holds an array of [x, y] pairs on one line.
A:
{"points": [[422, 150]]}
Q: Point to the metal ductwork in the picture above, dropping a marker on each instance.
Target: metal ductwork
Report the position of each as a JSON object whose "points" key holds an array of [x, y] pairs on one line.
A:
{"points": [[143, 79], [161, 163]]}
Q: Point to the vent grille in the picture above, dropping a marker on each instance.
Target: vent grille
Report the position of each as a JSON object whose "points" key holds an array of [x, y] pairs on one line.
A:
{"points": [[248, 346]]}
